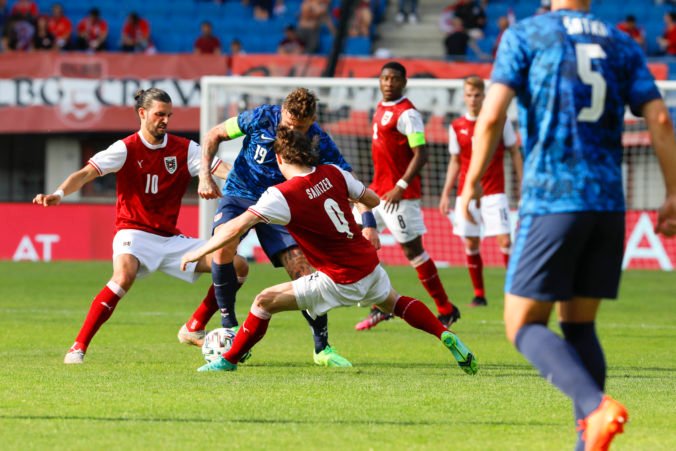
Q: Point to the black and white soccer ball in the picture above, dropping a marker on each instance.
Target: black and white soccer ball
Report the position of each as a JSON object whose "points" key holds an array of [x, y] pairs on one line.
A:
{"points": [[218, 342]]}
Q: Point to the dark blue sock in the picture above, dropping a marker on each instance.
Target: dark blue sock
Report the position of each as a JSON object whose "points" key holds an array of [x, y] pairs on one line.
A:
{"points": [[225, 287], [559, 363], [582, 337], [320, 330]]}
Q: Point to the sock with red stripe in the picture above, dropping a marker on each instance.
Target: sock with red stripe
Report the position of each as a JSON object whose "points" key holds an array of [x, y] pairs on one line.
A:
{"points": [[251, 332], [100, 311], [475, 265], [429, 277], [416, 314]]}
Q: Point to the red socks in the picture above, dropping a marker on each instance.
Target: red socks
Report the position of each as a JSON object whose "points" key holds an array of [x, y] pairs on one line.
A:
{"points": [[416, 314], [429, 277], [204, 312], [476, 268], [251, 332], [100, 311]]}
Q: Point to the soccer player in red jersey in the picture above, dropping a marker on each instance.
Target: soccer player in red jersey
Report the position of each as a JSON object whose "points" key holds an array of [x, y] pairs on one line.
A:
{"points": [[153, 171], [399, 153], [314, 205], [493, 210]]}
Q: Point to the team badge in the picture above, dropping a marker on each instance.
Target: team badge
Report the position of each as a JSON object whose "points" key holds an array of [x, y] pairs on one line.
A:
{"points": [[170, 164], [386, 118]]}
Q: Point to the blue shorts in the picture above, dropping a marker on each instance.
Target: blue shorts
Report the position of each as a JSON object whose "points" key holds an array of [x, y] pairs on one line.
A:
{"points": [[560, 256], [274, 238]]}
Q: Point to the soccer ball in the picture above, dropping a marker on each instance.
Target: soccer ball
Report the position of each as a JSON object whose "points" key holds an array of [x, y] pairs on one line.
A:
{"points": [[217, 342]]}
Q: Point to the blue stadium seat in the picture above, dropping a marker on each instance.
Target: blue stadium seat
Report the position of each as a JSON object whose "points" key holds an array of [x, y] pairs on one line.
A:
{"points": [[358, 46]]}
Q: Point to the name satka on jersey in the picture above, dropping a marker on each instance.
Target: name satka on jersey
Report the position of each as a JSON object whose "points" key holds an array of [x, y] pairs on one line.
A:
{"points": [[255, 168], [573, 75], [315, 209], [151, 180]]}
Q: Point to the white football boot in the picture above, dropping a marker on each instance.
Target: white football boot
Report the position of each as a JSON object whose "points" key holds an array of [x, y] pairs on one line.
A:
{"points": [[191, 338]]}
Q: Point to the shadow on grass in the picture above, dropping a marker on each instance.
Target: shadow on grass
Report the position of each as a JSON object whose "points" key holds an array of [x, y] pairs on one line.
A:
{"points": [[332, 421]]}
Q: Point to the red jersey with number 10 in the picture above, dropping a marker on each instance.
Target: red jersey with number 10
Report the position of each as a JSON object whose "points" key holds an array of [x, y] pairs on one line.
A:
{"points": [[391, 151], [151, 184], [323, 225]]}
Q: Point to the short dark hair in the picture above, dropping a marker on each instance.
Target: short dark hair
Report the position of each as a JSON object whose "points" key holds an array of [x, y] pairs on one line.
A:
{"points": [[630, 18], [395, 65], [145, 97], [301, 103], [672, 16], [295, 147]]}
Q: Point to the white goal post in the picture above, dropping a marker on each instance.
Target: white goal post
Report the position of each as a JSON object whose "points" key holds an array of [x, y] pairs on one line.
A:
{"points": [[345, 109]]}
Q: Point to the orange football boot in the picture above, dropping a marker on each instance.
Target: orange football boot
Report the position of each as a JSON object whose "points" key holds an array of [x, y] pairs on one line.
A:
{"points": [[601, 426]]}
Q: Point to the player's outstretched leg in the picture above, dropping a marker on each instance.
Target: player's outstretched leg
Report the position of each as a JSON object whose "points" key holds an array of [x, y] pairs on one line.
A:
{"points": [[100, 311], [374, 317], [251, 332], [429, 278], [416, 314], [194, 331]]}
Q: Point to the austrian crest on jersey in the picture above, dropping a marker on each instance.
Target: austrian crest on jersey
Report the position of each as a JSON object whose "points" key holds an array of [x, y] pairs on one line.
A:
{"points": [[170, 164]]}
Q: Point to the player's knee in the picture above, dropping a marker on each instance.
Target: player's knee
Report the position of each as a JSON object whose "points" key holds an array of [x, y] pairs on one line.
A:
{"points": [[264, 300]]}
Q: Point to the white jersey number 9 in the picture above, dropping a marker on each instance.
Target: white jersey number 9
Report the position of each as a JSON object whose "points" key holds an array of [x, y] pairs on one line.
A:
{"points": [[585, 53]]}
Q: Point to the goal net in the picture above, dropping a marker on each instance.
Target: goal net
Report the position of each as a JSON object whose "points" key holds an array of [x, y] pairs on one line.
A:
{"points": [[346, 107]]}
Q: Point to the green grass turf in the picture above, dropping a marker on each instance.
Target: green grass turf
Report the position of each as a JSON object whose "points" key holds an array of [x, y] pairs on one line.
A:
{"points": [[139, 390]]}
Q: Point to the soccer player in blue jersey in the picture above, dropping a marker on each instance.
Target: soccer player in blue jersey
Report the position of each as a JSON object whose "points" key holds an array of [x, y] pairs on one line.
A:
{"points": [[254, 170], [572, 75]]}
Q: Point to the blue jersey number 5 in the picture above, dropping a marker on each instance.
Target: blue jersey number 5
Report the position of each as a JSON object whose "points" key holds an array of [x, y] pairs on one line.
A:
{"points": [[585, 53]]}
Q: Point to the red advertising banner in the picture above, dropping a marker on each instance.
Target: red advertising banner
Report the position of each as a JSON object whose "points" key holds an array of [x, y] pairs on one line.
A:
{"points": [[72, 92], [85, 232]]}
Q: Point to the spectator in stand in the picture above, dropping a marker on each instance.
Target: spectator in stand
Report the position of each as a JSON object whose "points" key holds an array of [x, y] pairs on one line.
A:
{"points": [[207, 43], [313, 14], [360, 25], [236, 47], [473, 17], [630, 27], [92, 32], [503, 24], [4, 19], [43, 39], [411, 14], [19, 34], [26, 9], [60, 27], [457, 40], [135, 34], [667, 41], [262, 9], [291, 44]]}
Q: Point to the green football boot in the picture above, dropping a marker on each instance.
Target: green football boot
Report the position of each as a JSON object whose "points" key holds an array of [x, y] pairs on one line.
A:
{"points": [[218, 365], [461, 353], [329, 357]]}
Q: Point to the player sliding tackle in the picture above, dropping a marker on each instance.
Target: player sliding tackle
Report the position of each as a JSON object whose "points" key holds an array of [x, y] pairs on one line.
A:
{"points": [[314, 204]]}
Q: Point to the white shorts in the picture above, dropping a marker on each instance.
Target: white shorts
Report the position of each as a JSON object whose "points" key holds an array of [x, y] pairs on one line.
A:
{"points": [[157, 253], [318, 294], [405, 223], [493, 216]]}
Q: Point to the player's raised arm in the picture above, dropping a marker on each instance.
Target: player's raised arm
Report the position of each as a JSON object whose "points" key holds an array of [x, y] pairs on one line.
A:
{"points": [[224, 131], [662, 135], [487, 134], [231, 230], [73, 183]]}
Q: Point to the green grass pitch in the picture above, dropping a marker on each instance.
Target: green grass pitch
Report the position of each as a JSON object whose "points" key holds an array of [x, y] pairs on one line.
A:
{"points": [[139, 389]]}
